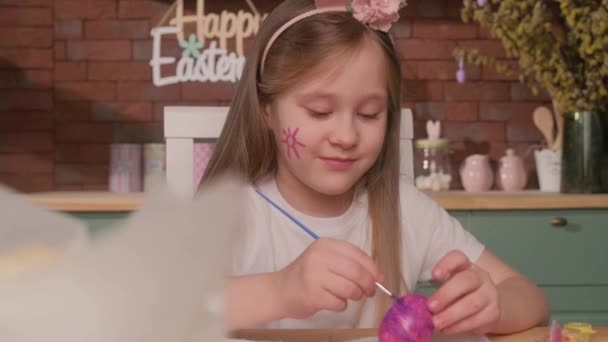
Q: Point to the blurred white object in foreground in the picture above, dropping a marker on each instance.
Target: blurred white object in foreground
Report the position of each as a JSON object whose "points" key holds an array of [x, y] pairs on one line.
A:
{"points": [[159, 278]]}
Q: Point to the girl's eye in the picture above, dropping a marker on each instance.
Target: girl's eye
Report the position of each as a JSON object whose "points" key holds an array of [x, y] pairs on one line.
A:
{"points": [[369, 116], [319, 114]]}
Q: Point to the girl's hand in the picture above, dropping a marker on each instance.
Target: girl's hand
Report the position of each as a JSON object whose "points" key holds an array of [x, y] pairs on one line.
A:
{"points": [[324, 277], [467, 301]]}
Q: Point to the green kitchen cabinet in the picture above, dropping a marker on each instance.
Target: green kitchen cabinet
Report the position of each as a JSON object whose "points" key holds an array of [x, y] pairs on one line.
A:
{"points": [[565, 252], [98, 222]]}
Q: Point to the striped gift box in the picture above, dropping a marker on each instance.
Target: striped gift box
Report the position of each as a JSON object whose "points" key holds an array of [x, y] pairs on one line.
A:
{"points": [[202, 154], [154, 164]]}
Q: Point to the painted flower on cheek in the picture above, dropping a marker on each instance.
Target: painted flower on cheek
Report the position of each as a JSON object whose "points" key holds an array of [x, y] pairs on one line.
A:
{"points": [[378, 14], [290, 139]]}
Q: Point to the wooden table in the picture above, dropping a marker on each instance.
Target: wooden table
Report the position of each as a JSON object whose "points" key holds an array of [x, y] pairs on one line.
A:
{"points": [[339, 335], [537, 334]]}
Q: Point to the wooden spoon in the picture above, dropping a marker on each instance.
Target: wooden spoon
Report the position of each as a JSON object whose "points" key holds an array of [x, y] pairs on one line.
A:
{"points": [[543, 119]]}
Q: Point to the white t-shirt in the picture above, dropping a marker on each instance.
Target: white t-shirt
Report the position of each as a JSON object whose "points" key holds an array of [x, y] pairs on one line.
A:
{"points": [[271, 241]]}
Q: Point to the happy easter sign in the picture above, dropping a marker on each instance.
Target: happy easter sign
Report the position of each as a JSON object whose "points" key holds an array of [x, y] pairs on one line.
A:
{"points": [[206, 55]]}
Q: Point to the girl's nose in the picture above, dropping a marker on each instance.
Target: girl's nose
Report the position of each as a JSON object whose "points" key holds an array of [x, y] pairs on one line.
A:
{"points": [[344, 133]]}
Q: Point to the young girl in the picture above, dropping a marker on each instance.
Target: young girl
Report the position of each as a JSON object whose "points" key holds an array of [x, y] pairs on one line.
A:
{"points": [[314, 127]]}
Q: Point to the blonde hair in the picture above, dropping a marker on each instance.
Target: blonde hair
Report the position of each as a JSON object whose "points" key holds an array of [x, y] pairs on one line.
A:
{"points": [[246, 145]]}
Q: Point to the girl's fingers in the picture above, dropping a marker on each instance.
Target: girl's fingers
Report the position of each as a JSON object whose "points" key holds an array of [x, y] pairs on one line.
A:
{"points": [[352, 271], [357, 254], [459, 285], [453, 262], [468, 306], [476, 322]]}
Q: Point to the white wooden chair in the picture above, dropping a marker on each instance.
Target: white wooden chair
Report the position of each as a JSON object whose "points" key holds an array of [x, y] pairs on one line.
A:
{"points": [[184, 124]]}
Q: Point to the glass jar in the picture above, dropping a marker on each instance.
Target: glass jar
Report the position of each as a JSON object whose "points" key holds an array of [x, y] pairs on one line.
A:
{"points": [[432, 164]]}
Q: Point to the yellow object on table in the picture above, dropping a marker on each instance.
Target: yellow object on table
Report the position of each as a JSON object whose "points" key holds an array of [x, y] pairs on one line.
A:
{"points": [[579, 331], [25, 259]]}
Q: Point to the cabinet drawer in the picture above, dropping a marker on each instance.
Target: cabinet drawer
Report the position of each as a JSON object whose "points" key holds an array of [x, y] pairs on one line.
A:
{"points": [[99, 222], [573, 254]]}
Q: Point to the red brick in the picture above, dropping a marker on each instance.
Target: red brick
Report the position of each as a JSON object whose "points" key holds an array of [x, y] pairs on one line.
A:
{"points": [[68, 187], [83, 153], [85, 9], [411, 11], [104, 187], [402, 29], [142, 9], [454, 8], [60, 50], [81, 132], [122, 111], [82, 91], [477, 91], [81, 174], [521, 92], [110, 50], [492, 48], [208, 91], [120, 71], [429, 9], [475, 131], [484, 33], [463, 149], [68, 29], [464, 111], [443, 29], [142, 49], [72, 111], [425, 49], [25, 79], [26, 121], [522, 129], [26, 163], [138, 132], [146, 91], [436, 70], [26, 16], [26, 142], [117, 29], [490, 73], [28, 183], [26, 37], [26, 100], [39, 78], [504, 111], [26, 3], [26, 58], [70, 71], [423, 90]]}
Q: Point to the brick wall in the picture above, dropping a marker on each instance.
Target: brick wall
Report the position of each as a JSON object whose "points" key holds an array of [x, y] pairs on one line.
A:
{"points": [[74, 77]]}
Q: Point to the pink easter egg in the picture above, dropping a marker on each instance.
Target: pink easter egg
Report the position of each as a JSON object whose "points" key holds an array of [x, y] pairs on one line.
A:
{"points": [[407, 320], [461, 76]]}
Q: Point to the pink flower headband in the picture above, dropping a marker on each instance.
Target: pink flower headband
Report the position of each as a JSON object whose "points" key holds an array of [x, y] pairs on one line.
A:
{"points": [[377, 14]]}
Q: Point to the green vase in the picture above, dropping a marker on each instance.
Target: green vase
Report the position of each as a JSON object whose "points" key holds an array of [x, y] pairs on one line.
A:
{"points": [[583, 153], [604, 175]]}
